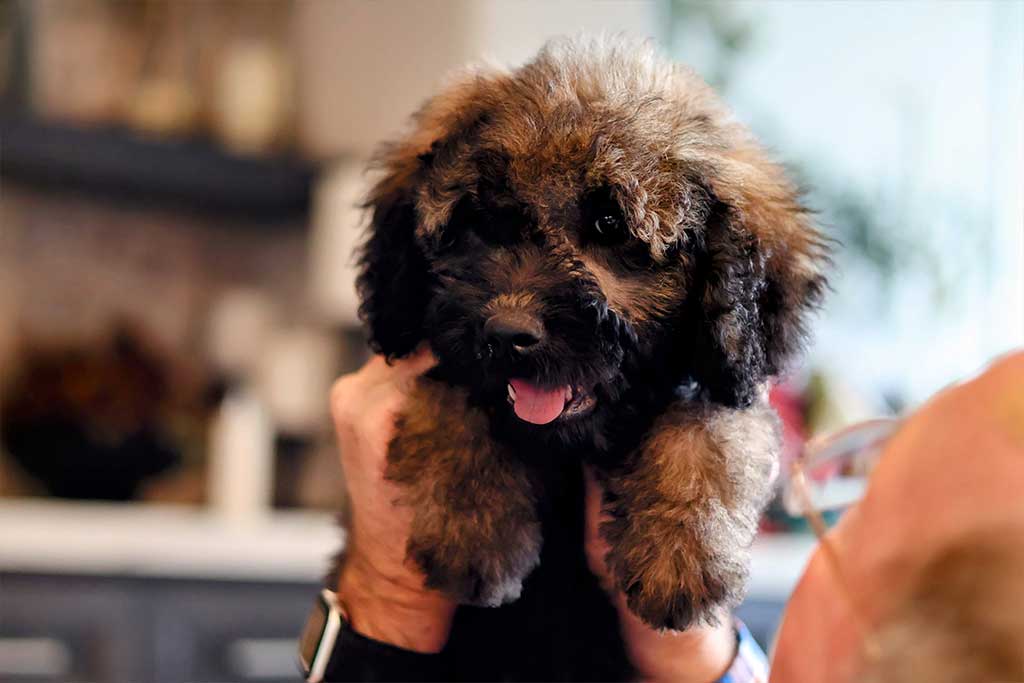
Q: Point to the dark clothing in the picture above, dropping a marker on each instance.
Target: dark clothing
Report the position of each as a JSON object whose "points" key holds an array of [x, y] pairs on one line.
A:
{"points": [[562, 628]]}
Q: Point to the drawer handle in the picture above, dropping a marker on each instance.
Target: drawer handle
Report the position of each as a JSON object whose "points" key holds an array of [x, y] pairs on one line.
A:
{"points": [[34, 657], [263, 657]]}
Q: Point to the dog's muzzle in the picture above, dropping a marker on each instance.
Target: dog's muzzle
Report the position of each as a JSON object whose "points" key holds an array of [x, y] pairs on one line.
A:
{"points": [[513, 333]]}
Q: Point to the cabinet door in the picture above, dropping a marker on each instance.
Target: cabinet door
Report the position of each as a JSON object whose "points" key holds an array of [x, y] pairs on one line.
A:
{"points": [[216, 631], [60, 628]]}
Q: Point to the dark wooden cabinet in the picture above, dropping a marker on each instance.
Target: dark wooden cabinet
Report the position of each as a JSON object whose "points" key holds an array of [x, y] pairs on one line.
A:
{"points": [[85, 628], [121, 629]]}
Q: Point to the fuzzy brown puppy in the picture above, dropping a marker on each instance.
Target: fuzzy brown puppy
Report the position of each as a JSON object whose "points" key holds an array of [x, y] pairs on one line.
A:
{"points": [[609, 269]]}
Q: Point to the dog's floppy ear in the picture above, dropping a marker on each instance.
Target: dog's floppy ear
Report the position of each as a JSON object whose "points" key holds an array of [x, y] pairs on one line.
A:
{"points": [[395, 284], [762, 275]]}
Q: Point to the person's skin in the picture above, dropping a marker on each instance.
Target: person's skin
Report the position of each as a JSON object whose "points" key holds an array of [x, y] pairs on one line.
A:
{"points": [[384, 595], [955, 468]]}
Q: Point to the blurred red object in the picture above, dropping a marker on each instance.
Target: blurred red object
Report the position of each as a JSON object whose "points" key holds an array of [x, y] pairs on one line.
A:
{"points": [[788, 402]]}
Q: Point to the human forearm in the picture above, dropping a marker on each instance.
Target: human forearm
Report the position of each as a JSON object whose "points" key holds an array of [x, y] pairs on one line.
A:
{"points": [[384, 597], [392, 611]]}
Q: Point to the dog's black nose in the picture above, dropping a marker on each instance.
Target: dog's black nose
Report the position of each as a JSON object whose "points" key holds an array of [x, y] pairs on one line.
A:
{"points": [[513, 331]]}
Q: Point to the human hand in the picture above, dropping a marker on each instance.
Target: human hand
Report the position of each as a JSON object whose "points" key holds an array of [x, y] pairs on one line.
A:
{"points": [[700, 654], [383, 594], [954, 471]]}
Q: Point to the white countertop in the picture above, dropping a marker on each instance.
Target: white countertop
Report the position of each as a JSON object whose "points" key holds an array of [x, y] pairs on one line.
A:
{"points": [[157, 540], [170, 541]]}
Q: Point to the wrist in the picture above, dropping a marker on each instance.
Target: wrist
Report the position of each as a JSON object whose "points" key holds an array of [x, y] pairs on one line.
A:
{"points": [[702, 654], [394, 610]]}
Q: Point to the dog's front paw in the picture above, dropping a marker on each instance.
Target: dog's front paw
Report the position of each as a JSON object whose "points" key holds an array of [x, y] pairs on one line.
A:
{"points": [[476, 575], [683, 513], [667, 575], [662, 607], [475, 532], [475, 570]]}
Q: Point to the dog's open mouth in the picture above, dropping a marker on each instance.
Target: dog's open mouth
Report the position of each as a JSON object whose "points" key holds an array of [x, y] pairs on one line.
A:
{"points": [[540, 405]]}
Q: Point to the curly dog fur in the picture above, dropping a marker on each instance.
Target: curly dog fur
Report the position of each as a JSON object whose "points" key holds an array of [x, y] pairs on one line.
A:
{"points": [[650, 259]]}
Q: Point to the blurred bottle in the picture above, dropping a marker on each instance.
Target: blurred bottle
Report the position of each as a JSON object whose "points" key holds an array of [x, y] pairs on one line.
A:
{"points": [[84, 56], [294, 380], [240, 454], [252, 97], [241, 458]]}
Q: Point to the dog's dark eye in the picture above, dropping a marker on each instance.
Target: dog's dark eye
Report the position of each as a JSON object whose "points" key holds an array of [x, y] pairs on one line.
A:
{"points": [[607, 227], [604, 223]]}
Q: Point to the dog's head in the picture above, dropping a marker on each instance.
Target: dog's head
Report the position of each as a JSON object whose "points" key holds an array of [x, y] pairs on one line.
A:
{"points": [[591, 222]]}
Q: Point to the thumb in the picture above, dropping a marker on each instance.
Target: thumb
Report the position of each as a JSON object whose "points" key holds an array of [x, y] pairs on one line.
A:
{"points": [[415, 364]]}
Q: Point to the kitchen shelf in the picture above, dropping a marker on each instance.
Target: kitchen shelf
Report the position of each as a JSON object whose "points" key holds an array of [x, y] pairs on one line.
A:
{"points": [[121, 165], [133, 539]]}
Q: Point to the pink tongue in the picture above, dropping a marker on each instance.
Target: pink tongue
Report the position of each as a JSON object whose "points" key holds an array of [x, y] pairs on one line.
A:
{"points": [[536, 405]]}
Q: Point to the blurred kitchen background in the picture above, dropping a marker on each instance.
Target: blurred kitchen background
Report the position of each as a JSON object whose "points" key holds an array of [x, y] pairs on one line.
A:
{"points": [[178, 190]]}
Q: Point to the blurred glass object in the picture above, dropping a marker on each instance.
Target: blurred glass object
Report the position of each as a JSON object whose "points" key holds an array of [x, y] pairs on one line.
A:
{"points": [[832, 471], [164, 99], [85, 58], [252, 97], [161, 67]]}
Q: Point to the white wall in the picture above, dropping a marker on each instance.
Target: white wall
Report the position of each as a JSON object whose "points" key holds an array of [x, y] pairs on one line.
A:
{"points": [[365, 66], [917, 105]]}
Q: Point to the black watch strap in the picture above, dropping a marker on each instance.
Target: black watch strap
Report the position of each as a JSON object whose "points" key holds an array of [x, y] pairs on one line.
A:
{"points": [[358, 658]]}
